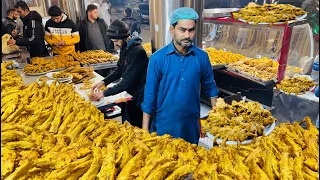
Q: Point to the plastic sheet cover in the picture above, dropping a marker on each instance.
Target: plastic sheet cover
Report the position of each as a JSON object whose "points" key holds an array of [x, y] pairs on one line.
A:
{"points": [[290, 108]]}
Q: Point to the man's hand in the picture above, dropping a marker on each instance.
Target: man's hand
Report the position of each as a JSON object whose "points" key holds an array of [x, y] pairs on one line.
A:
{"points": [[57, 45], [11, 42], [145, 121], [62, 43], [213, 101], [97, 86], [96, 96]]}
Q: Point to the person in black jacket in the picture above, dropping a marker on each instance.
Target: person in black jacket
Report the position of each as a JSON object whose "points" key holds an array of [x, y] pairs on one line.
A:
{"points": [[93, 32], [3, 29], [133, 24], [10, 22], [132, 68], [33, 33]]}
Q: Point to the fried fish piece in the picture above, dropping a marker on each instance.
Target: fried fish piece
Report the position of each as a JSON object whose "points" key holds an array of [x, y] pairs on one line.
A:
{"points": [[108, 169], [313, 164], [95, 166], [181, 172], [21, 171], [134, 163], [162, 171], [8, 158]]}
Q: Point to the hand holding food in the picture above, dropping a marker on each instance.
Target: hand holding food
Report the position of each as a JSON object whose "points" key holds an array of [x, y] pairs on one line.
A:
{"points": [[97, 86], [96, 96]]}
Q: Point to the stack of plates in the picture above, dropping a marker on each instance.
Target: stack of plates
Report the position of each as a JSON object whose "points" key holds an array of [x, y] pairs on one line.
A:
{"points": [[67, 80]]}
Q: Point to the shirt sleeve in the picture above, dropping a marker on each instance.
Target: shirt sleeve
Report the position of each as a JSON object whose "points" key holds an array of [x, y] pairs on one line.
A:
{"points": [[152, 86], [75, 37], [48, 35], [36, 37], [208, 85], [138, 27], [116, 74], [317, 91], [130, 75]]}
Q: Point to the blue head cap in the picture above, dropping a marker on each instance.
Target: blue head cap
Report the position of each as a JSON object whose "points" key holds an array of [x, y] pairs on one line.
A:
{"points": [[183, 13]]}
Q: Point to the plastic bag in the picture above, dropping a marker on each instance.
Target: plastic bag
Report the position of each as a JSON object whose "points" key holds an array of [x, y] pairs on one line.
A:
{"points": [[8, 49]]}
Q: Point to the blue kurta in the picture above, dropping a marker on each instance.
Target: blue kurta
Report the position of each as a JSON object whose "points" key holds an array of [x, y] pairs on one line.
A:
{"points": [[172, 91]]}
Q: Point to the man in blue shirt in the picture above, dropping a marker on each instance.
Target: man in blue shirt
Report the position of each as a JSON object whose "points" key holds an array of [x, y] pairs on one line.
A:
{"points": [[175, 75]]}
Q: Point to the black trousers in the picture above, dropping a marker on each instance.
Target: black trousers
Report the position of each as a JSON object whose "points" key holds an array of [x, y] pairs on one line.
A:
{"points": [[134, 114]]}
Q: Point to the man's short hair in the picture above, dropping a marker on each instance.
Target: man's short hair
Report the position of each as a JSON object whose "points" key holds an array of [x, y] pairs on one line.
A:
{"points": [[91, 7], [128, 11], [23, 5], [54, 11], [10, 11]]}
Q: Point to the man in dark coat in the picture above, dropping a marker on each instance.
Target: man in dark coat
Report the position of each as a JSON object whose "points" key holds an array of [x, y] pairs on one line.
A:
{"points": [[33, 33], [3, 29], [133, 24], [93, 32], [10, 22], [131, 67]]}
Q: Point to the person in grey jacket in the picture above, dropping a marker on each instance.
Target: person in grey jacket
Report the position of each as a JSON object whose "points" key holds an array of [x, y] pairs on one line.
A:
{"points": [[10, 22]]}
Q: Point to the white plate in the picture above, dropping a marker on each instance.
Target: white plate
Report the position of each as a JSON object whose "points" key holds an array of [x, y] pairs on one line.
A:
{"points": [[50, 75], [298, 18], [48, 82], [300, 93], [56, 70], [242, 20], [36, 74], [267, 130], [296, 94], [67, 82]]}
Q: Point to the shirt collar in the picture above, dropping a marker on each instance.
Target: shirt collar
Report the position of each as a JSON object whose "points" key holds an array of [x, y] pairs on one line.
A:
{"points": [[171, 49], [10, 19]]}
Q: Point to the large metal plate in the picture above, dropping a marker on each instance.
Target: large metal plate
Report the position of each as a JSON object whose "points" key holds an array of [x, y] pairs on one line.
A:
{"points": [[218, 12]]}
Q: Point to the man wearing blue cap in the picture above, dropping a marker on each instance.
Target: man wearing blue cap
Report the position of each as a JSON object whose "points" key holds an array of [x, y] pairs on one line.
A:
{"points": [[175, 75]]}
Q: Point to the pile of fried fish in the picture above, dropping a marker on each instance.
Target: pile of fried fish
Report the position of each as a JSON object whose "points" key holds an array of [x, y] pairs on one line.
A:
{"points": [[239, 121], [297, 85], [268, 13], [50, 132]]}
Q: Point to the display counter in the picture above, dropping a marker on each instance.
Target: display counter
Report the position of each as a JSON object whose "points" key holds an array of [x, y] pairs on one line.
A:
{"points": [[107, 100], [20, 57]]}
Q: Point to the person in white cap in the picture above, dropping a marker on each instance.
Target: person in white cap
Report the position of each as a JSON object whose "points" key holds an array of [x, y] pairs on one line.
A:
{"points": [[175, 75]]}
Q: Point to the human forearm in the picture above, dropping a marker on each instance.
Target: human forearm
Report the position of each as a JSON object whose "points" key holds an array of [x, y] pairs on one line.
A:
{"points": [[49, 40], [74, 40], [115, 75], [145, 121]]}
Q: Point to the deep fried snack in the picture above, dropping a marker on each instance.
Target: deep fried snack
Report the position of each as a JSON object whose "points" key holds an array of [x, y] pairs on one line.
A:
{"points": [[296, 85], [222, 57], [239, 121], [61, 75], [269, 13]]}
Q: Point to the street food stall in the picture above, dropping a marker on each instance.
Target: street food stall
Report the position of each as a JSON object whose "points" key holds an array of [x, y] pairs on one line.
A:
{"points": [[50, 130]]}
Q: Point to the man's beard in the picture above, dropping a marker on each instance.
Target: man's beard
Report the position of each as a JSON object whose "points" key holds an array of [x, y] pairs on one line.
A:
{"points": [[185, 42]]}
